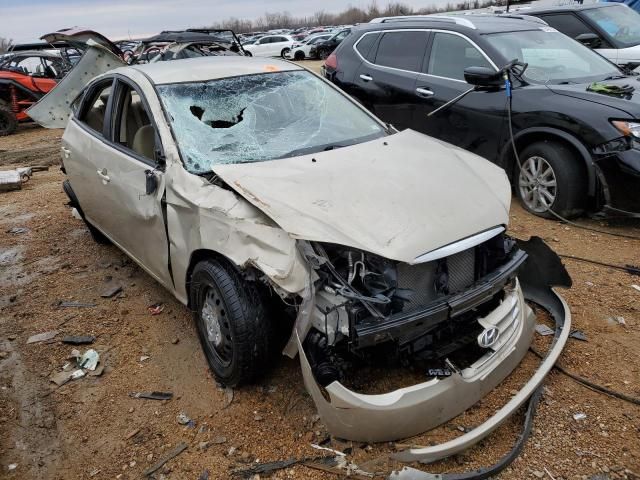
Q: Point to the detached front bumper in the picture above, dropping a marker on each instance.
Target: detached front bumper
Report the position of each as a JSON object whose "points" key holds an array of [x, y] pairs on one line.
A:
{"points": [[412, 410], [620, 179]]}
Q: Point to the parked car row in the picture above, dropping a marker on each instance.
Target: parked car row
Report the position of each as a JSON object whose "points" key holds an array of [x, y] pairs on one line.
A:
{"points": [[575, 116]]}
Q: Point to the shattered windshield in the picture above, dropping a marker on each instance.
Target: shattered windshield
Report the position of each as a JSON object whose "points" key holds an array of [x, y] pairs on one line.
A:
{"points": [[255, 118]]}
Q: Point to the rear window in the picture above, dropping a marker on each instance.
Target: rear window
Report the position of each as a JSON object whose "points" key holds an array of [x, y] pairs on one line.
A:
{"points": [[403, 50], [365, 46]]}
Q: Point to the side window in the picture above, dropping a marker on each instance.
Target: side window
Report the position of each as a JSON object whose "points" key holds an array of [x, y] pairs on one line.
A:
{"points": [[264, 40], [341, 36], [28, 65], [365, 46], [132, 127], [451, 54], [404, 50], [96, 108], [567, 23]]}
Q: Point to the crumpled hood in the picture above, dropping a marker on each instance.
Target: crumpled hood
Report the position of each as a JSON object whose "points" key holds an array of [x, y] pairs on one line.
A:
{"points": [[628, 104], [399, 196]]}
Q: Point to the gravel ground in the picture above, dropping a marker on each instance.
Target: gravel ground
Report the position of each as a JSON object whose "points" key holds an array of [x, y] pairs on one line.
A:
{"points": [[92, 428]]}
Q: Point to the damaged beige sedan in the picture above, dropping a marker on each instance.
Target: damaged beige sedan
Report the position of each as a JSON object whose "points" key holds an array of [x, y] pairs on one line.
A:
{"points": [[264, 199]]}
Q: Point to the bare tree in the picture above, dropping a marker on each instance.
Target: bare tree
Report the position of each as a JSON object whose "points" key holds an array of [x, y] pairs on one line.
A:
{"points": [[350, 16], [5, 43]]}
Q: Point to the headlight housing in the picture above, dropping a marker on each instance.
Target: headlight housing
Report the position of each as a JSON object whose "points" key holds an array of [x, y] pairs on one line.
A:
{"points": [[627, 128]]}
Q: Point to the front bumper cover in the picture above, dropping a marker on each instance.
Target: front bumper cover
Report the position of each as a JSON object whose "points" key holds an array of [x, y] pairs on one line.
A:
{"points": [[412, 410]]}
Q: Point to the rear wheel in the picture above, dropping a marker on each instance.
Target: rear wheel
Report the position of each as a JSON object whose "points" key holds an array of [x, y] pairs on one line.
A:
{"points": [[247, 53], [8, 121], [551, 178], [285, 51], [232, 325], [323, 54]]}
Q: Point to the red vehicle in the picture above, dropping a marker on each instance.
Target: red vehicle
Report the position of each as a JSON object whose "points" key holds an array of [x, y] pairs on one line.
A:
{"points": [[25, 77]]}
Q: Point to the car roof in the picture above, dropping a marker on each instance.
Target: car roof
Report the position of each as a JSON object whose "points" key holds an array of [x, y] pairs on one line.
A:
{"points": [[209, 68], [478, 23], [571, 8]]}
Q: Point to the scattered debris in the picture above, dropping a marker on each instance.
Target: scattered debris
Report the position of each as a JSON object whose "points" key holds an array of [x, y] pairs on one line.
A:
{"points": [[204, 475], [544, 330], [94, 472], [18, 230], [228, 397], [409, 473], [636, 287], [144, 357], [42, 337], [78, 339], [156, 308], [175, 340], [10, 180], [89, 359], [268, 467], [218, 440], [160, 463], [111, 291], [183, 419], [132, 434], [152, 395], [578, 335], [12, 466], [616, 321], [98, 371], [62, 304], [579, 416], [549, 473], [537, 473]]}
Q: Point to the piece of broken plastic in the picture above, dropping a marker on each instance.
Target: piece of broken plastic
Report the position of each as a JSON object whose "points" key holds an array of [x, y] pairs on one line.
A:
{"points": [[89, 360]]}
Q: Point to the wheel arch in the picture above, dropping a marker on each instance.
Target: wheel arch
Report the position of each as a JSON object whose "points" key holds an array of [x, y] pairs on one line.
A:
{"points": [[531, 135]]}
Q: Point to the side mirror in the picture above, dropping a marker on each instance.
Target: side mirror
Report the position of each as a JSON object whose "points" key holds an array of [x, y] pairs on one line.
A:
{"points": [[483, 77], [590, 40]]}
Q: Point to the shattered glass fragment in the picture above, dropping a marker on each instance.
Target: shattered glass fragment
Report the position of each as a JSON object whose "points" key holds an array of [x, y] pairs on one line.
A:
{"points": [[255, 118]]}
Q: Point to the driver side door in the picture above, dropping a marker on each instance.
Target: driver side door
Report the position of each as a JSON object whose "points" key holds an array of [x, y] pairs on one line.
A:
{"points": [[120, 151], [475, 123]]}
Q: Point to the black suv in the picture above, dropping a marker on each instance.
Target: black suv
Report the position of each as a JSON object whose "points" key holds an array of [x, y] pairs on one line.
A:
{"points": [[323, 49], [579, 148]]}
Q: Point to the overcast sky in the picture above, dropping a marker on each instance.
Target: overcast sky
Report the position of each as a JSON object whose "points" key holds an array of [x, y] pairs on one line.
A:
{"points": [[26, 20]]}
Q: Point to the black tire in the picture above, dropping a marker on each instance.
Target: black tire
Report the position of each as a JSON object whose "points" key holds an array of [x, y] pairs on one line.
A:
{"points": [[247, 53], [323, 54], [284, 52], [299, 56], [239, 350], [8, 121], [96, 234], [556, 163]]}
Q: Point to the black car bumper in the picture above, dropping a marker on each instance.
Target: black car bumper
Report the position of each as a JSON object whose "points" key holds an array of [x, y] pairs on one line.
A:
{"points": [[620, 179]]}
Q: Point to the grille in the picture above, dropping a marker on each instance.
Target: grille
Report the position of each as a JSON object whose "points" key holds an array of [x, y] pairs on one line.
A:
{"points": [[462, 268], [418, 280]]}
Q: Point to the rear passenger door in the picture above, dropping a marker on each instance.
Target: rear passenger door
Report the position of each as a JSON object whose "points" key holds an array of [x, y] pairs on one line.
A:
{"points": [[476, 122], [386, 78]]}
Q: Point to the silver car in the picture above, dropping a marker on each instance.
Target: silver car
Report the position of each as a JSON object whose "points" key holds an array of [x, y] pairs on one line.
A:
{"points": [[256, 192]]}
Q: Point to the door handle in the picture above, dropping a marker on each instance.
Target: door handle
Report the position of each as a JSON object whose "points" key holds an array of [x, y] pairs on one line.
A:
{"points": [[366, 78], [103, 175], [424, 92], [66, 152]]}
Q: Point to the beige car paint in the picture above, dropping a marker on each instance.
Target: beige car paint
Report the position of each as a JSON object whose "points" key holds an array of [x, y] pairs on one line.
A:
{"points": [[345, 196]]}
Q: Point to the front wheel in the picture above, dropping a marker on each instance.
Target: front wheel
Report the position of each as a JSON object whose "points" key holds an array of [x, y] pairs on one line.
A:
{"points": [[232, 325], [551, 180], [299, 56], [323, 54], [248, 53]]}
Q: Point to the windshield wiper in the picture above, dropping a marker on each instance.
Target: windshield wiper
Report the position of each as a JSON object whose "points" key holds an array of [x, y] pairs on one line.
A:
{"points": [[614, 77], [332, 147]]}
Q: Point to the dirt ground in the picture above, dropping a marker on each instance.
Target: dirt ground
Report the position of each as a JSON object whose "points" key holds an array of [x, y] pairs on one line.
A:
{"points": [[92, 428]]}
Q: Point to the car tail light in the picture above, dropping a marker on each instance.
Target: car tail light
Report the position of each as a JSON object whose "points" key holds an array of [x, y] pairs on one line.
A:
{"points": [[331, 61]]}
